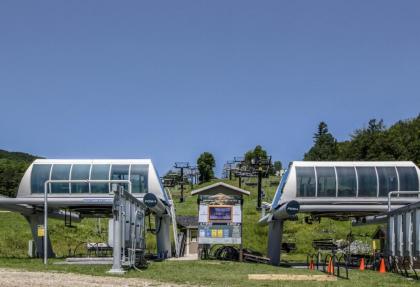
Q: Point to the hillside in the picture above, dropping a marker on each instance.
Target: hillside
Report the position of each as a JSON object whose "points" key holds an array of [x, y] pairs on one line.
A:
{"points": [[12, 167]]}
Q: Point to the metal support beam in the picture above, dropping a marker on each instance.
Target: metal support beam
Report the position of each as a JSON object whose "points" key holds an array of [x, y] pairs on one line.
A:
{"points": [[259, 189], [275, 235]]}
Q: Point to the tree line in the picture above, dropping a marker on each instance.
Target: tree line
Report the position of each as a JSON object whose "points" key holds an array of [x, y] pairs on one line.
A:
{"points": [[375, 142], [12, 167]]}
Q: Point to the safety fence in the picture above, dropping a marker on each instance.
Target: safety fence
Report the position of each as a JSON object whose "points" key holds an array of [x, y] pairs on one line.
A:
{"points": [[332, 264], [339, 264], [404, 265]]}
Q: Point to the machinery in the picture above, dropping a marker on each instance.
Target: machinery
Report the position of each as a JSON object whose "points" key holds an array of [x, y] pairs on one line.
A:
{"points": [[338, 190], [125, 190]]}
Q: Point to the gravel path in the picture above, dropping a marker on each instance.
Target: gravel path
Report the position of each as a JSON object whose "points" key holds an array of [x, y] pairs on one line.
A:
{"points": [[19, 278]]}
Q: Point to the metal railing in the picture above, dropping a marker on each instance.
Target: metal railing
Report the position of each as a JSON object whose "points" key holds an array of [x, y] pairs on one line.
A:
{"points": [[47, 186]]}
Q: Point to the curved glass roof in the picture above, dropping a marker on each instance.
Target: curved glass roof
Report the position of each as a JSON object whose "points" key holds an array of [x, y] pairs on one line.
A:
{"points": [[136, 173], [348, 180], [141, 173]]}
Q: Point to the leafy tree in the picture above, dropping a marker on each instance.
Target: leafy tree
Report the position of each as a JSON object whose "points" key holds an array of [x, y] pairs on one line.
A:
{"points": [[206, 164], [325, 145], [374, 142], [12, 167], [403, 140], [258, 151], [369, 143], [277, 165]]}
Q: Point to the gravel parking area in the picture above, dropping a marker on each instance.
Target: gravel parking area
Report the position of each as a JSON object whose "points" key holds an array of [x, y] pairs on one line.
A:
{"points": [[18, 278]]}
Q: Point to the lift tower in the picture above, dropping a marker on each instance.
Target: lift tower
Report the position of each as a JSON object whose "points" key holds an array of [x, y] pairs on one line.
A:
{"points": [[182, 166], [261, 165]]}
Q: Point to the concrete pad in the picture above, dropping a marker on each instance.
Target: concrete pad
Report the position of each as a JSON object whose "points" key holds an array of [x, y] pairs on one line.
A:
{"points": [[190, 257], [291, 277], [86, 261]]}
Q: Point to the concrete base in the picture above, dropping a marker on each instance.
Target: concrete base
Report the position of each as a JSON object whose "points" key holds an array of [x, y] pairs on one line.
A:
{"points": [[86, 261], [190, 257], [116, 271]]}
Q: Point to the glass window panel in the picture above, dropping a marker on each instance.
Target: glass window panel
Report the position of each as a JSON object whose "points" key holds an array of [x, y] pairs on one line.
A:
{"points": [[120, 172], [60, 172], [347, 184], [138, 177], [387, 180], [280, 188], [39, 175], [367, 181], [80, 172], [326, 182], [305, 181], [99, 171], [409, 180]]}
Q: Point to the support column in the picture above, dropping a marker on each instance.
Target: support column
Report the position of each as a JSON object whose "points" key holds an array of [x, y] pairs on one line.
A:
{"points": [[117, 236], [188, 242], [275, 234], [163, 238], [34, 220]]}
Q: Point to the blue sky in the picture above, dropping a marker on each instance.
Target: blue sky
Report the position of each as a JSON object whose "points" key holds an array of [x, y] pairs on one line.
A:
{"points": [[171, 79]]}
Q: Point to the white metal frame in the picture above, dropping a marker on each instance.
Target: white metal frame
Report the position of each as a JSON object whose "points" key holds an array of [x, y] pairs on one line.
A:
{"points": [[47, 186]]}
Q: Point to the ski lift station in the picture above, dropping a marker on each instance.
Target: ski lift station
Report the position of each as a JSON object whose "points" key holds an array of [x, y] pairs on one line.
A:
{"points": [[125, 190], [339, 190]]}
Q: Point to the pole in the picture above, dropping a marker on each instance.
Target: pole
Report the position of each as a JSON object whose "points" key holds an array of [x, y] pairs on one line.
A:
{"points": [[182, 185], [259, 189], [116, 261], [46, 223]]}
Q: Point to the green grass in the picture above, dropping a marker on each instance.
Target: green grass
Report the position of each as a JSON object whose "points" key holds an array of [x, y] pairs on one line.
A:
{"points": [[214, 273]]}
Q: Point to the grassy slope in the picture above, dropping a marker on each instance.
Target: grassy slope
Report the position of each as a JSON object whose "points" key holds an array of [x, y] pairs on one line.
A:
{"points": [[15, 233]]}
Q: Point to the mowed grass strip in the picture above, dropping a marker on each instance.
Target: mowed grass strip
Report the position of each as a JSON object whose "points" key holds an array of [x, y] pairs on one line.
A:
{"points": [[217, 273]]}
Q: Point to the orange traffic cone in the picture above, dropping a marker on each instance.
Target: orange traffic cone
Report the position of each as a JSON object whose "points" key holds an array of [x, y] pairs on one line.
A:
{"points": [[362, 264], [311, 265], [330, 268], [382, 268]]}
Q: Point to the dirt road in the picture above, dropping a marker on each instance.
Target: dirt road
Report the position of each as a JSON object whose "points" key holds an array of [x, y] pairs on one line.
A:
{"points": [[18, 278]]}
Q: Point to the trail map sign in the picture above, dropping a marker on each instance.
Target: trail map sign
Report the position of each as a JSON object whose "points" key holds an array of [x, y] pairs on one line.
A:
{"points": [[220, 219]]}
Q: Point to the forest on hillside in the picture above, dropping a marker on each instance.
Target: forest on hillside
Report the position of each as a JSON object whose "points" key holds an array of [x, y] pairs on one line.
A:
{"points": [[12, 168], [401, 141]]}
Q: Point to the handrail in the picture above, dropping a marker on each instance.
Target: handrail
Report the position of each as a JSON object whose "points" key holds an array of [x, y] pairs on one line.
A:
{"points": [[398, 193]]}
